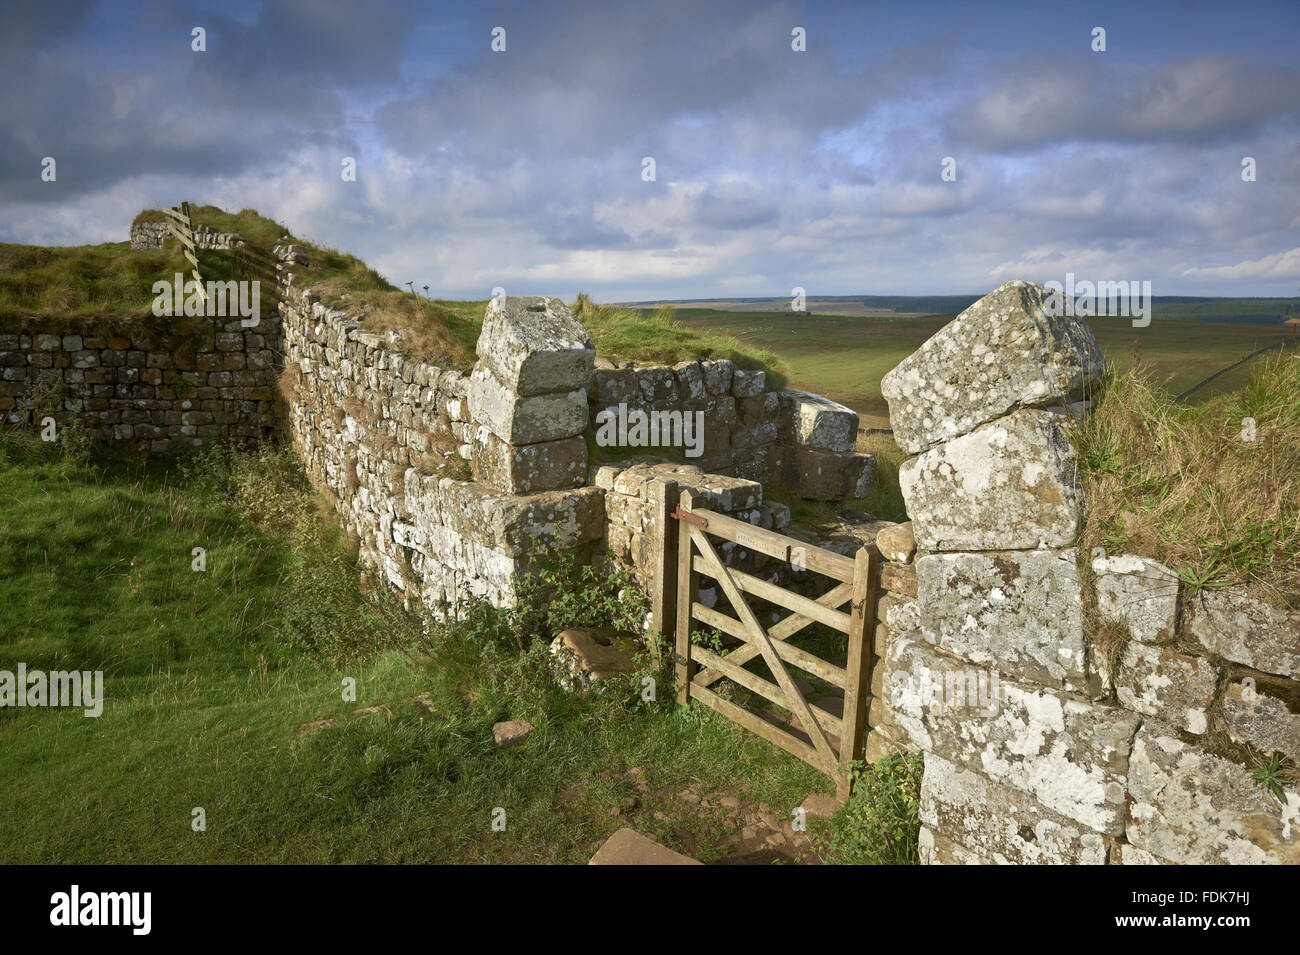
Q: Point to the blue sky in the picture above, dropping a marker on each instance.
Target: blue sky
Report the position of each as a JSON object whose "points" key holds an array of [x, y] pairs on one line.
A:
{"points": [[774, 168]]}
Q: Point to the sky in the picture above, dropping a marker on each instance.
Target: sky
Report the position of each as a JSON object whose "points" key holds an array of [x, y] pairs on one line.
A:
{"points": [[774, 168]]}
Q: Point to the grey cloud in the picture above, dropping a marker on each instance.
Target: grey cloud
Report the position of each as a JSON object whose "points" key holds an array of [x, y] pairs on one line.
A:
{"points": [[1200, 100]]}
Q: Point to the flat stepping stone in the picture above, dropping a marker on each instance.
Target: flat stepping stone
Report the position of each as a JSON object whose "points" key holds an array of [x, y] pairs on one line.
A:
{"points": [[629, 847]]}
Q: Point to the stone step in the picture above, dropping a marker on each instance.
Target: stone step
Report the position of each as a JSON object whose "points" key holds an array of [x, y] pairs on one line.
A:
{"points": [[629, 847]]}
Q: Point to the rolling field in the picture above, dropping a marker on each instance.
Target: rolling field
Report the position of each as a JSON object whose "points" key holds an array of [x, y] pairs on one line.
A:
{"points": [[844, 357]]}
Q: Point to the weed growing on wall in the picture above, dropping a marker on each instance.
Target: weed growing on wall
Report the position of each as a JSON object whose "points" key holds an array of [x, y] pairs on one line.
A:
{"points": [[50, 430]]}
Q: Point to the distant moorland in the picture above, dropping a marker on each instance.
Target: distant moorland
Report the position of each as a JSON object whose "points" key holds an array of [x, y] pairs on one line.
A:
{"points": [[845, 354]]}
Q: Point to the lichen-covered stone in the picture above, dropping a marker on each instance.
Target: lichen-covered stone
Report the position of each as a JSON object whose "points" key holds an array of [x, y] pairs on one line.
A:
{"points": [[817, 422], [528, 468], [748, 384], [1138, 593], [1264, 713], [1175, 688], [515, 525], [1191, 807], [516, 419], [616, 385], [1021, 611], [657, 383], [1246, 630], [1004, 352], [999, 823], [1071, 755], [1124, 854], [534, 345], [690, 379], [903, 616], [1008, 485], [717, 375], [937, 849]]}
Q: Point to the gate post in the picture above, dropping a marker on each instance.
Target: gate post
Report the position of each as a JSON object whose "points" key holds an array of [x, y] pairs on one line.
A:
{"points": [[857, 694], [686, 592], [663, 565]]}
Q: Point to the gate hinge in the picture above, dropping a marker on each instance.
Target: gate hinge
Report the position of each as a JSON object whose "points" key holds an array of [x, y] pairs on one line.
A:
{"points": [[689, 518]]}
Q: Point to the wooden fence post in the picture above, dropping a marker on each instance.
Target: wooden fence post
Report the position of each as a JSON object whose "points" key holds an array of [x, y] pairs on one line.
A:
{"points": [[686, 587], [857, 694], [663, 569]]}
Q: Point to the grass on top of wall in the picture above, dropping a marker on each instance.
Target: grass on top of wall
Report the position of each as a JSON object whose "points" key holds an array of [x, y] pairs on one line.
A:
{"points": [[630, 334], [113, 279], [1189, 487], [442, 333], [445, 332], [82, 281], [263, 234]]}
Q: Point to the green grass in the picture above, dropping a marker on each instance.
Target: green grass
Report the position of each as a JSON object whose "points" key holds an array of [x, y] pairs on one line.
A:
{"points": [[209, 677], [1182, 485]]}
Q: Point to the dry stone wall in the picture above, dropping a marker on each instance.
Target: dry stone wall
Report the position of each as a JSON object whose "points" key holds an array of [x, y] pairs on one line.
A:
{"points": [[152, 235], [454, 483], [156, 383], [1039, 747], [390, 439], [789, 437], [451, 483]]}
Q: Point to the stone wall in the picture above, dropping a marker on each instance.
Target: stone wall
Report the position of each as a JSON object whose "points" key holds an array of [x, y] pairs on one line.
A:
{"points": [[802, 441], [453, 483], [388, 439], [157, 383], [151, 235], [1040, 745]]}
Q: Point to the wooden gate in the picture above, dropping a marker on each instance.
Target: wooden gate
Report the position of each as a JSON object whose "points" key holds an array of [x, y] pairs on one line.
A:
{"points": [[829, 742]]}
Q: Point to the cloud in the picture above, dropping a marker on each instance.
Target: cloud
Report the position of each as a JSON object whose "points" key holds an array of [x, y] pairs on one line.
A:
{"points": [[774, 168], [1280, 265], [1198, 100]]}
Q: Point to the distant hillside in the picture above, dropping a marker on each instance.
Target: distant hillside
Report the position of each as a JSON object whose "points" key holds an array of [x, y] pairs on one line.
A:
{"points": [[1253, 311]]}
